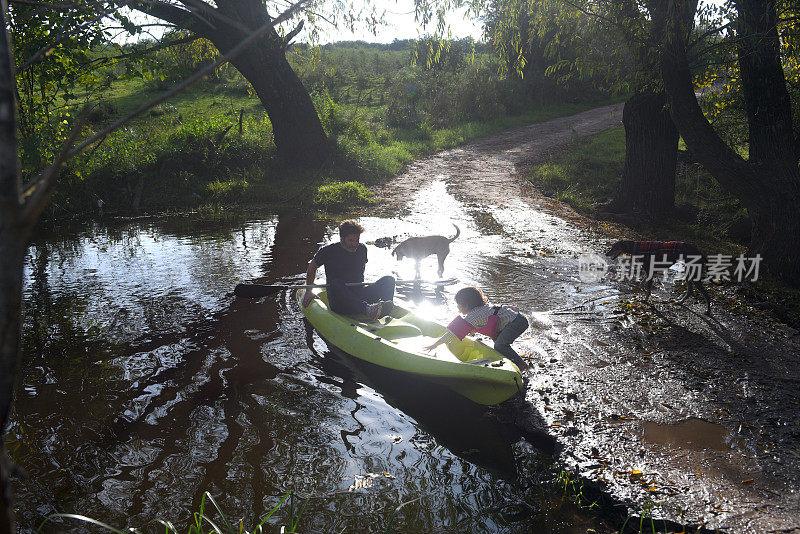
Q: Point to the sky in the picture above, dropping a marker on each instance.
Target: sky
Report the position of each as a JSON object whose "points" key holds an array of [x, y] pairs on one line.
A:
{"points": [[399, 15], [400, 24]]}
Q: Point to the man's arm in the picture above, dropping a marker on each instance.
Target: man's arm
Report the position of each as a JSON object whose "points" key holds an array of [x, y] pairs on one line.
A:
{"points": [[311, 275], [311, 272]]}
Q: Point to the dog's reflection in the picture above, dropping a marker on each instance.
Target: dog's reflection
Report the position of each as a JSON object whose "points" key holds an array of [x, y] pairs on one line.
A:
{"points": [[417, 291]]}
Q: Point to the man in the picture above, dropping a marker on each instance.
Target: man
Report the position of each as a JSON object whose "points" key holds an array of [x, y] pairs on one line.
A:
{"points": [[344, 263]]}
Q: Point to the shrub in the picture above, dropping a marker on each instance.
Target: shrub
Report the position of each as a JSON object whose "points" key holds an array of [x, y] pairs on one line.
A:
{"points": [[339, 196], [226, 190]]}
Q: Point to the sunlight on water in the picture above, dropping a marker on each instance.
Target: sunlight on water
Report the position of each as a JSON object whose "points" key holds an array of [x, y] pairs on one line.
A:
{"points": [[145, 384], [141, 276]]}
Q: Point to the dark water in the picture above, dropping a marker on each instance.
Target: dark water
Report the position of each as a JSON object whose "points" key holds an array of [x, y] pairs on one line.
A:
{"points": [[144, 384]]}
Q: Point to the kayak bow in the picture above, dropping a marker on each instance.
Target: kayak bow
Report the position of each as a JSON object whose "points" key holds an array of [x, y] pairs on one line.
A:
{"points": [[396, 341]]}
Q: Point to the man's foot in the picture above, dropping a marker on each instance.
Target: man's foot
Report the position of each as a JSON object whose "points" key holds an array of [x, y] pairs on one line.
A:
{"points": [[386, 307], [374, 310]]}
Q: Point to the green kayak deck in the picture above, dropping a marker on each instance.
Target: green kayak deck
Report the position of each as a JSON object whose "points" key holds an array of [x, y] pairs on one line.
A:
{"points": [[397, 342]]}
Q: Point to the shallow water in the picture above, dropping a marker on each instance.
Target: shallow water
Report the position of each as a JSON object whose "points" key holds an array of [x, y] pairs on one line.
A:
{"points": [[691, 434], [145, 383]]}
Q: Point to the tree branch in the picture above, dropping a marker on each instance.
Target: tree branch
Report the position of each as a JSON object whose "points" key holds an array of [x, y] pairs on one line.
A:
{"points": [[64, 35], [712, 31], [197, 8], [194, 78], [174, 15], [140, 53], [194, 8], [289, 36], [36, 195]]}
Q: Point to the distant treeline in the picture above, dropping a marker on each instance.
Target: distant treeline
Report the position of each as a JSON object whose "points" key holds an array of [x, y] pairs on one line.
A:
{"points": [[396, 45]]}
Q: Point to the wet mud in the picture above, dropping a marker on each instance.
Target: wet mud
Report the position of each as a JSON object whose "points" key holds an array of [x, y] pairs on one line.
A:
{"points": [[144, 383], [659, 408]]}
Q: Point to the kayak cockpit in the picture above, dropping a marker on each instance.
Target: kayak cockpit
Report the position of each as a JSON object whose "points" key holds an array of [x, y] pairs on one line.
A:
{"points": [[396, 329]]}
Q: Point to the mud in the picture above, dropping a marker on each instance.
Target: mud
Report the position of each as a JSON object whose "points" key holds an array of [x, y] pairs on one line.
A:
{"points": [[688, 418]]}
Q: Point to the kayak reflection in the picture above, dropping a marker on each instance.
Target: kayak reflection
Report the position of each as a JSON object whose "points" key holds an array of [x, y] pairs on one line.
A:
{"points": [[479, 434]]}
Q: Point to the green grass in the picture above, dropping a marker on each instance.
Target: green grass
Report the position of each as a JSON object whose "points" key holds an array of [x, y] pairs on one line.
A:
{"points": [[587, 174], [202, 521], [205, 521], [379, 111], [396, 147], [190, 153], [341, 196]]}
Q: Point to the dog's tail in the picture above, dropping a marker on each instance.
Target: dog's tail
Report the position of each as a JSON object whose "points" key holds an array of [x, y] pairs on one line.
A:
{"points": [[458, 233]]}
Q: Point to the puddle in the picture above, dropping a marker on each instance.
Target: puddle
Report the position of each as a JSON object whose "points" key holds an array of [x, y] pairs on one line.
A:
{"points": [[693, 434], [238, 393]]}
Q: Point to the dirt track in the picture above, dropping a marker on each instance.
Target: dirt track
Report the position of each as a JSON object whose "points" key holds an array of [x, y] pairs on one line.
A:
{"points": [[659, 406]]}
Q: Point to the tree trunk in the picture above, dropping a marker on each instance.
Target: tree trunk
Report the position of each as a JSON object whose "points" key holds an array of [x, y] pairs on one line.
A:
{"points": [[299, 137], [651, 151], [769, 114], [12, 251], [769, 184], [776, 230]]}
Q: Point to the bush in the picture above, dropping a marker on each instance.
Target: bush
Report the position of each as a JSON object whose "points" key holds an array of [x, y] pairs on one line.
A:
{"points": [[337, 121], [103, 111], [227, 190], [340, 196], [404, 96]]}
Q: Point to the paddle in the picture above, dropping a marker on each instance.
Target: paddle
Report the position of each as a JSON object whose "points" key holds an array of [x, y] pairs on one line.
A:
{"points": [[254, 291]]}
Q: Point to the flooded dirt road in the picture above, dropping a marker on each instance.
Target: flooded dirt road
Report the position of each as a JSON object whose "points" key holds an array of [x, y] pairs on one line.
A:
{"points": [[145, 383], [689, 418]]}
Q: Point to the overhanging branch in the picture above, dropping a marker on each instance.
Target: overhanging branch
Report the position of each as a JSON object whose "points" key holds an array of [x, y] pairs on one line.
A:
{"points": [[65, 35], [249, 40], [289, 36], [174, 15], [36, 195]]}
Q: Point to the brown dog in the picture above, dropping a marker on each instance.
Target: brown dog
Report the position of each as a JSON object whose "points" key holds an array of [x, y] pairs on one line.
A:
{"points": [[422, 247], [666, 251]]}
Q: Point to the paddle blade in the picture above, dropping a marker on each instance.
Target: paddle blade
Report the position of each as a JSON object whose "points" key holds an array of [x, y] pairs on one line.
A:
{"points": [[254, 291]]}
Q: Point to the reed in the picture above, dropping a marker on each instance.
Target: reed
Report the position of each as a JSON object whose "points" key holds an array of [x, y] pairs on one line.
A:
{"points": [[203, 522]]}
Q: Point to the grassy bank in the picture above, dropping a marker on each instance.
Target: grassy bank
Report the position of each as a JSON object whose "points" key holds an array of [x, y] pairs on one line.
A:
{"points": [[212, 145], [585, 178], [186, 157]]}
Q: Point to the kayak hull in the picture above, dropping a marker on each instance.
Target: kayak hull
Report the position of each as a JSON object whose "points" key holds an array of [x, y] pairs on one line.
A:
{"points": [[468, 367]]}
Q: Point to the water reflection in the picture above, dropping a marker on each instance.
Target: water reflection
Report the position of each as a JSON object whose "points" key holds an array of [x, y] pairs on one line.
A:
{"points": [[467, 429], [144, 383]]}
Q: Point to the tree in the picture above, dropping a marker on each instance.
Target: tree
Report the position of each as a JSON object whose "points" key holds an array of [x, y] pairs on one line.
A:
{"points": [[604, 43], [768, 182], [47, 76], [20, 207], [299, 137], [13, 244], [651, 149], [647, 185]]}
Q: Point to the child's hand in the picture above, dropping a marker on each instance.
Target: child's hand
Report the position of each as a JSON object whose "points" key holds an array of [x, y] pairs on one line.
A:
{"points": [[429, 347]]}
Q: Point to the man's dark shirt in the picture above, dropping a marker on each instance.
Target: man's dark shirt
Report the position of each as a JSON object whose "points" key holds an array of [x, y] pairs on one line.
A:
{"points": [[342, 264]]}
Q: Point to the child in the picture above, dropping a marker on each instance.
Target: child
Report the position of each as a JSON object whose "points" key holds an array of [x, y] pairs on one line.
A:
{"points": [[502, 323]]}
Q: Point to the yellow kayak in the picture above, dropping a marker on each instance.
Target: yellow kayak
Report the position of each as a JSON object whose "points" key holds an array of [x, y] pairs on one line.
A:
{"points": [[396, 341]]}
